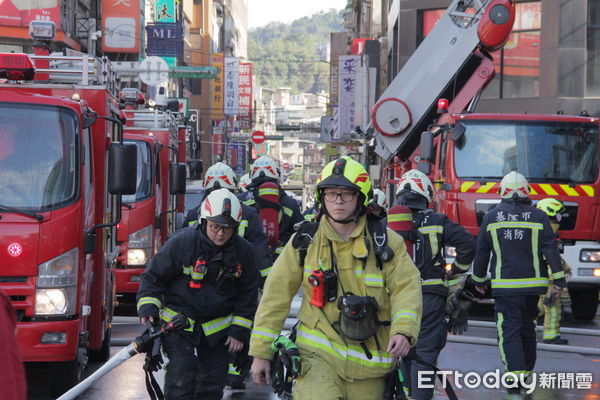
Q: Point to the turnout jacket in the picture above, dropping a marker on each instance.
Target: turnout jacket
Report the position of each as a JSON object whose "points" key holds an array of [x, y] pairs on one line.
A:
{"points": [[224, 304], [523, 246], [439, 231], [250, 229], [396, 287]]}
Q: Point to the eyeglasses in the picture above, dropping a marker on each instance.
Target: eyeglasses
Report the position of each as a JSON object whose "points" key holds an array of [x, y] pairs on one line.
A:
{"points": [[333, 196], [216, 228]]}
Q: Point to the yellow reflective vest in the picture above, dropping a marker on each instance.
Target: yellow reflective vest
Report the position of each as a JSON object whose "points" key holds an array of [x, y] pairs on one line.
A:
{"points": [[397, 289]]}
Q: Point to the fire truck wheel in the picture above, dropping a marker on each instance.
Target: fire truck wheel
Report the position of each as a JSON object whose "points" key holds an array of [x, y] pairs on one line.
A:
{"points": [[584, 303], [103, 353], [64, 375]]}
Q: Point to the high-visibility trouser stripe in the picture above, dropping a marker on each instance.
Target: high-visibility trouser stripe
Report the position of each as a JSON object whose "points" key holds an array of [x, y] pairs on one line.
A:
{"points": [[241, 321], [217, 325], [148, 300], [477, 279], [266, 334], [452, 282], [287, 211], [249, 202], [551, 318], [355, 354], [519, 283], [400, 217], [268, 191], [167, 314], [428, 282], [242, 227], [232, 370], [462, 267], [373, 280], [558, 275], [405, 314], [515, 224], [265, 272], [499, 322]]}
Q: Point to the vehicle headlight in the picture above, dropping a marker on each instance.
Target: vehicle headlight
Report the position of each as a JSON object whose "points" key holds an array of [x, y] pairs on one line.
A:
{"points": [[137, 256], [589, 255], [50, 301], [56, 285], [450, 251], [141, 239]]}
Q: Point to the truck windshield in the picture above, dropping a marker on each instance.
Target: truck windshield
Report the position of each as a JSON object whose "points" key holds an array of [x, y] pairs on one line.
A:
{"points": [[38, 156], [144, 172], [542, 151]]}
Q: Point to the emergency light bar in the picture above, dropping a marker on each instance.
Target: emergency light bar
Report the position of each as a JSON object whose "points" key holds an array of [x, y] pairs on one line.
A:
{"points": [[16, 67], [42, 30]]}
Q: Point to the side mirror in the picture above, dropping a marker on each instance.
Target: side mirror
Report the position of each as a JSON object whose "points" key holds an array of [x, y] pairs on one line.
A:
{"points": [[426, 146], [457, 132], [177, 174], [122, 168]]}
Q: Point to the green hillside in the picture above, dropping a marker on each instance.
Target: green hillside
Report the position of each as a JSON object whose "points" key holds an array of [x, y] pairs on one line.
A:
{"points": [[286, 55]]}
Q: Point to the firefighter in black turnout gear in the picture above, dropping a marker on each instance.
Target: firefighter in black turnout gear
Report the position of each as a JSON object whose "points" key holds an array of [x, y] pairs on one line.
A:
{"points": [[207, 273], [432, 232], [523, 245], [265, 169]]}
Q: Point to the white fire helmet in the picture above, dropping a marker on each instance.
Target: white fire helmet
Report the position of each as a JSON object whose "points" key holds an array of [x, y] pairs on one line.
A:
{"points": [[417, 182], [379, 198], [221, 207], [264, 167], [219, 176], [514, 183], [244, 181]]}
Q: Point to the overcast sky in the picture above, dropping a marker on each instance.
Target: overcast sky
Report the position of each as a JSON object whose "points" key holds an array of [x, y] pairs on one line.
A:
{"points": [[261, 12]]}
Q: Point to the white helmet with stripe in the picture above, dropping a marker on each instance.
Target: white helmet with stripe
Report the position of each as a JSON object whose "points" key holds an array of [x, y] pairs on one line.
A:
{"points": [[264, 167], [513, 184], [417, 182], [244, 181], [221, 207], [379, 198], [220, 176]]}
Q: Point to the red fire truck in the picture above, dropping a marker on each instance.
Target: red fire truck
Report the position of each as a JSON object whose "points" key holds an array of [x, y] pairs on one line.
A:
{"points": [[466, 154], [149, 215], [62, 174]]}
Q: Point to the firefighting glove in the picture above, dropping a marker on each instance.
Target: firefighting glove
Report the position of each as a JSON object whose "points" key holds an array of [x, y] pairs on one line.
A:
{"points": [[154, 360], [459, 318]]}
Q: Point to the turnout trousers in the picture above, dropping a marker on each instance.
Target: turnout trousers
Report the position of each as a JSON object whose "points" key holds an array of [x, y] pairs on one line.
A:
{"points": [[194, 372], [432, 339], [515, 320], [319, 381]]}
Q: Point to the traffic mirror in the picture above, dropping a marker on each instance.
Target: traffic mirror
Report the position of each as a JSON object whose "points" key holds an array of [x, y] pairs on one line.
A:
{"points": [[426, 146]]}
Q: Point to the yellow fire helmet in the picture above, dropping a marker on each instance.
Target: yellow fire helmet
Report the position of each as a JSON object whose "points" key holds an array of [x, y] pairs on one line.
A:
{"points": [[346, 173], [551, 206]]}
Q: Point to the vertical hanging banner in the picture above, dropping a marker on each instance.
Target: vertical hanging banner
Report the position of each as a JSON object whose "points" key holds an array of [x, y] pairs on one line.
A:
{"points": [[164, 11], [231, 85], [348, 70], [121, 26], [245, 96], [217, 101]]}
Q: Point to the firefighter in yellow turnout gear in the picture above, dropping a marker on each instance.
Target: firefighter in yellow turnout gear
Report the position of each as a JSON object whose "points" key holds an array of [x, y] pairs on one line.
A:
{"points": [[333, 365], [550, 304]]}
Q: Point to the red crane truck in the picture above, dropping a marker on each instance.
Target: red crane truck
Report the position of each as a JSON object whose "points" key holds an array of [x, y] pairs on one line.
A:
{"points": [[62, 174], [467, 154], [149, 214]]}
